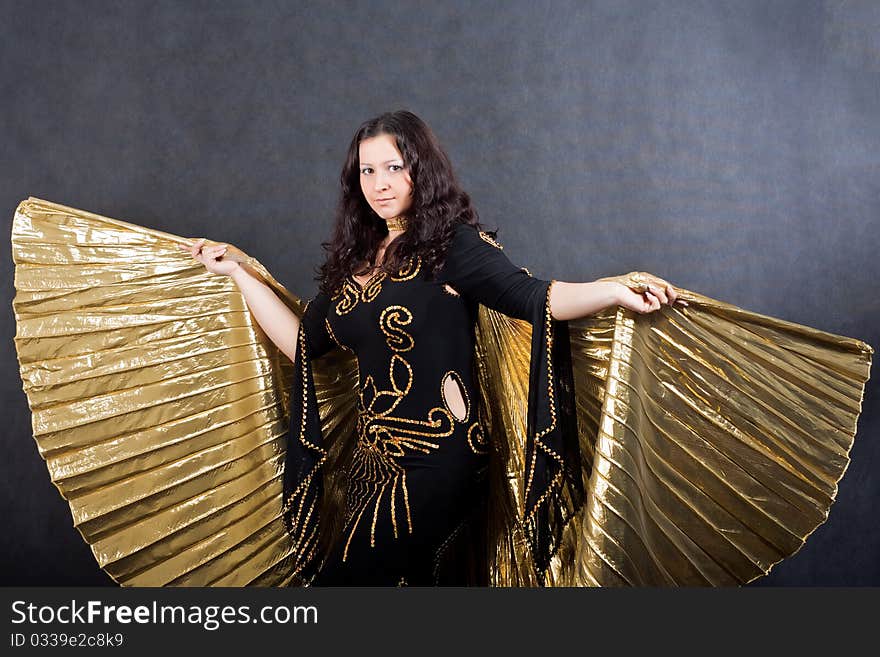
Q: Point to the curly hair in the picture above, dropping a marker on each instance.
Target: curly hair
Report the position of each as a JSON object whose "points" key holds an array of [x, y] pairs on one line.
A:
{"points": [[438, 205]]}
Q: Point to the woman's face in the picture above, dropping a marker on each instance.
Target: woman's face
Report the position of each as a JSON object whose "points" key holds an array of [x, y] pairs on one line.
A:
{"points": [[385, 183]]}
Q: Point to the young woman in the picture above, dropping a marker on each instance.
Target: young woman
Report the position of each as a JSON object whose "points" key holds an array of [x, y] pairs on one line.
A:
{"points": [[449, 420], [406, 269]]}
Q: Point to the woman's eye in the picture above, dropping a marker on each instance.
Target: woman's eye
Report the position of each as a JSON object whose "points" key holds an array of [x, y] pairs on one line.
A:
{"points": [[395, 167], [366, 170]]}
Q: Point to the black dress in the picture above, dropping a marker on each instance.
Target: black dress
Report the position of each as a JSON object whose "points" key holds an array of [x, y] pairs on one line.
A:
{"points": [[417, 478]]}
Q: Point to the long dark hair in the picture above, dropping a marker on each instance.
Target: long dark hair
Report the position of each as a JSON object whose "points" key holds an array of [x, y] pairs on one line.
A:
{"points": [[438, 205]]}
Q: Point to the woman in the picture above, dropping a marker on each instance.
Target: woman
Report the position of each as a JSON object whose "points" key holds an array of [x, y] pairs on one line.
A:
{"points": [[450, 419], [407, 266]]}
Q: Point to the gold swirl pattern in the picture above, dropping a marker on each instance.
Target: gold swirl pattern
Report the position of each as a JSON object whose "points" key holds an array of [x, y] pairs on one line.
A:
{"points": [[477, 439], [382, 438], [350, 296], [409, 270], [371, 290], [353, 292], [391, 320]]}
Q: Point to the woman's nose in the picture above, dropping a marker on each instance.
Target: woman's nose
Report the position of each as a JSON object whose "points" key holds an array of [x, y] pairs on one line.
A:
{"points": [[381, 183]]}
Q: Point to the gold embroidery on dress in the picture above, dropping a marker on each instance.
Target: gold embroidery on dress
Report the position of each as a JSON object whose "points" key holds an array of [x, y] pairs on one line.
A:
{"points": [[477, 439], [350, 296], [486, 238], [391, 320], [371, 290], [382, 438], [333, 335], [352, 292], [410, 269], [439, 552]]}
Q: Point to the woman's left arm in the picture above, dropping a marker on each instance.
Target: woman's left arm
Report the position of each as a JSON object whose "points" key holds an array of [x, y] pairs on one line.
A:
{"points": [[575, 300], [477, 267]]}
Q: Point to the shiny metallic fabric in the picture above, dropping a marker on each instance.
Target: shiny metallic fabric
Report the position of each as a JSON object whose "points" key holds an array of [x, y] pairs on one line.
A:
{"points": [[714, 438], [157, 403]]}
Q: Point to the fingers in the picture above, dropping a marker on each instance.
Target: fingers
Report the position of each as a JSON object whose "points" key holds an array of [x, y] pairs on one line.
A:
{"points": [[205, 254], [196, 248], [659, 293], [671, 295], [210, 253], [662, 291], [652, 302]]}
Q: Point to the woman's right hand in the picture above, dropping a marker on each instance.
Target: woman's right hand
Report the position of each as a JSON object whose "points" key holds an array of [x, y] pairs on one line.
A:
{"points": [[213, 256]]}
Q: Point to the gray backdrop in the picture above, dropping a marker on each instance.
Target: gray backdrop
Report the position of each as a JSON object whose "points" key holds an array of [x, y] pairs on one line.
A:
{"points": [[731, 147]]}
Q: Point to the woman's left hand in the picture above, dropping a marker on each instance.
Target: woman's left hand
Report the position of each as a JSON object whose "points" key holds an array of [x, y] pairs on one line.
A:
{"points": [[644, 293]]}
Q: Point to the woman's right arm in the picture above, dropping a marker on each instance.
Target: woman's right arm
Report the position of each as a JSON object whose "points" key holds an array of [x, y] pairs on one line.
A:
{"points": [[274, 317]]}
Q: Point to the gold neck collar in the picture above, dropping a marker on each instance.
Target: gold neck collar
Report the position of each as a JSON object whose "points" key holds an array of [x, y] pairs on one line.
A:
{"points": [[397, 223]]}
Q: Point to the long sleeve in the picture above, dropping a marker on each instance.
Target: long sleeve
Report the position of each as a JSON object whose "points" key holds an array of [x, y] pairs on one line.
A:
{"points": [[477, 268], [305, 451]]}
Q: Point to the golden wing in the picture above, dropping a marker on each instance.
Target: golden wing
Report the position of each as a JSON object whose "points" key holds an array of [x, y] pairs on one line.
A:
{"points": [[159, 405], [712, 440]]}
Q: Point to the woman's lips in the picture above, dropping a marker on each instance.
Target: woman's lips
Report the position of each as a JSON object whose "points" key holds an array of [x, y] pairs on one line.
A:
{"points": [[384, 200]]}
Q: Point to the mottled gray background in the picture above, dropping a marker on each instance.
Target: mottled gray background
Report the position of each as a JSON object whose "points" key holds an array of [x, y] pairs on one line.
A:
{"points": [[731, 147]]}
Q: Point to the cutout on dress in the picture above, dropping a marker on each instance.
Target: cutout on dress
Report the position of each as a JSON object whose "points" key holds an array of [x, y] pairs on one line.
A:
{"points": [[450, 290], [452, 388]]}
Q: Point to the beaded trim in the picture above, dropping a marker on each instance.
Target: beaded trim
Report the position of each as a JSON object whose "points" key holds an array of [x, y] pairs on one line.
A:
{"points": [[305, 544], [477, 439], [391, 321], [333, 335], [353, 292], [557, 478], [487, 238]]}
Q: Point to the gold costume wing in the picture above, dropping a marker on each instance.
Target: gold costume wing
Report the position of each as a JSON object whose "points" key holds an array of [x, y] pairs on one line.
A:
{"points": [[159, 405], [712, 440]]}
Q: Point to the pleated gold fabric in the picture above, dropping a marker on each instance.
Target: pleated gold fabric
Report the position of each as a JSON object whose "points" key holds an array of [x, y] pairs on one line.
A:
{"points": [[158, 404], [714, 438]]}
